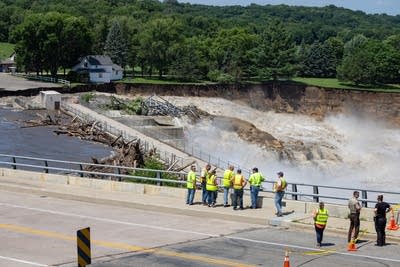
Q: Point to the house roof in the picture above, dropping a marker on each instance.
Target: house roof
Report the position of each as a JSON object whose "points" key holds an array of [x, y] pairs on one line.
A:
{"points": [[116, 67], [99, 60]]}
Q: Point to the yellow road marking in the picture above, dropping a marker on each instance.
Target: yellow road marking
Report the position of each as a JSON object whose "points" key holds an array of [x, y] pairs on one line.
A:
{"points": [[321, 252], [122, 246]]}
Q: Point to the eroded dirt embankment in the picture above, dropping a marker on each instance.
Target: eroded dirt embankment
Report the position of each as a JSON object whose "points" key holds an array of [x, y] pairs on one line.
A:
{"points": [[289, 98]]}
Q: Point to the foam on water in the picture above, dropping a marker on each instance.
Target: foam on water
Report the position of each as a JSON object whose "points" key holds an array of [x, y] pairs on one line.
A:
{"points": [[368, 151]]}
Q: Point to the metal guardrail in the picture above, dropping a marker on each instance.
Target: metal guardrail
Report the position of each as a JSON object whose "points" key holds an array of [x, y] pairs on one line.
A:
{"points": [[168, 157], [43, 78], [297, 191]]}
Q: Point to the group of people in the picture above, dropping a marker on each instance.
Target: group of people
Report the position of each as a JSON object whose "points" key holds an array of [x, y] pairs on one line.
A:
{"points": [[209, 185], [320, 216]]}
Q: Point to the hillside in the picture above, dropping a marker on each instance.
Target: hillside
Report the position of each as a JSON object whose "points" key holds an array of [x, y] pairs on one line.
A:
{"points": [[306, 23]]}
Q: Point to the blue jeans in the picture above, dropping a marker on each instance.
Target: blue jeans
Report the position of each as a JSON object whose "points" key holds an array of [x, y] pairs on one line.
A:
{"points": [[190, 196], [204, 197], [278, 201], [212, 197], [226, 193], [238, 198], [320, 234], [254, 195]]}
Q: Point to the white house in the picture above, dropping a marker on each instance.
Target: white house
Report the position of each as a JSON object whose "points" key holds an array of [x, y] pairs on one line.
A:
{"points": [[8, 65], [100, 68]]}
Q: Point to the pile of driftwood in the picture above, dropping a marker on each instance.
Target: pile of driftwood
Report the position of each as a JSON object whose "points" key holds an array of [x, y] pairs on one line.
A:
{"points": [[158, 106], [126, 153]]}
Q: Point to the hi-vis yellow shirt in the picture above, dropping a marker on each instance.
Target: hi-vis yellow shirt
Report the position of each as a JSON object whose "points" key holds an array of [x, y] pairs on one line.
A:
{"points": [[228, 175]]}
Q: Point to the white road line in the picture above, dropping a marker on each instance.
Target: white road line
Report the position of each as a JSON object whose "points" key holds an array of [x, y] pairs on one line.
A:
{"points": [[307, 248], [22, 261], [108, 220], [192, 232]]}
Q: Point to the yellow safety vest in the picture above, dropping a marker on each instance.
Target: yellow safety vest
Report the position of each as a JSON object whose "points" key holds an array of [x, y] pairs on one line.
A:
{"points": [[228, 174], [322, 217], [256, 179], [191, 180], [283, 185], [211, 186], [238, 182]]}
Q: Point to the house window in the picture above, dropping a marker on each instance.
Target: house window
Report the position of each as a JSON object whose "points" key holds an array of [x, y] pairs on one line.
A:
{"points": [[85, 64], [116, 72], [100, 75]]}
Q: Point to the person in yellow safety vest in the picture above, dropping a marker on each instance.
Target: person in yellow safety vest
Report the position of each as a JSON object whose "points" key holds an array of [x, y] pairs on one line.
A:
{"points": [[279, 189], [212, 189], [228, 175], [191, 185], [320, 219], [255, 180], [203, 180], [239, 182]]}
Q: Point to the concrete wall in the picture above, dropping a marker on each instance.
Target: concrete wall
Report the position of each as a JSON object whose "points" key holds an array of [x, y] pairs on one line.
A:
{"points": [[180, 193]]}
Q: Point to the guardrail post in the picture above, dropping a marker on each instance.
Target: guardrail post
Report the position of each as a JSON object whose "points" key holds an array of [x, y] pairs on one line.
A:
{"points": [[159, 183], [294, 189], [81, 168], [364, 196], [315, 191], [118, 171], [14, 161], [46, 164]]}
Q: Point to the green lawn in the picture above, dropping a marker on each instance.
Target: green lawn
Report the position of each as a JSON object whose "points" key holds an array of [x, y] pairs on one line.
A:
{"points": [[334, 83], [152, 81], [6, 50]]}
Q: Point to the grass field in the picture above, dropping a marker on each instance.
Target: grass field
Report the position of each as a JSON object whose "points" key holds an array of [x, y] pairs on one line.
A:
{"points": [[334, 83], [6, 50], [152, 81]]}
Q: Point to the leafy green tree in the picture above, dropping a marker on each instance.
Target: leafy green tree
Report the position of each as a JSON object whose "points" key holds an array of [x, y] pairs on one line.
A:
{"points": [[29, 44], [371, 63], [276, 55], [189, 60], [51, 40], [394, 41], [156, 43], [354, 44], [321, 60], [231, 52], [100, 33], [77, 41], [116, 45]]}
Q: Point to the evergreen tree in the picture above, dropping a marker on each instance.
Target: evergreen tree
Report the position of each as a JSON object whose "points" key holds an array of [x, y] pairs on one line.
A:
{"points": [[276, 53], [116, 45]]}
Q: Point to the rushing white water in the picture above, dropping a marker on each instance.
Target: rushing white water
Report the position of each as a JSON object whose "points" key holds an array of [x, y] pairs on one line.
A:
{"points": [[345, 150]]}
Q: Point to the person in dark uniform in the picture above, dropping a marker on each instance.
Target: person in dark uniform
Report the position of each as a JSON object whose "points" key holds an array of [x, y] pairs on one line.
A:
{"points": [[381, 208]]}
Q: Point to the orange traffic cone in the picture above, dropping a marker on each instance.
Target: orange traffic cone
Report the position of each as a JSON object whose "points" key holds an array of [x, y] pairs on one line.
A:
{"points": [[286, 262], [392, 224], [352, 246]]}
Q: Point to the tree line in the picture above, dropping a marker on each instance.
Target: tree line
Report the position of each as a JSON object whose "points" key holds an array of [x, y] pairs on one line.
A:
{"points": [[199, 42]]}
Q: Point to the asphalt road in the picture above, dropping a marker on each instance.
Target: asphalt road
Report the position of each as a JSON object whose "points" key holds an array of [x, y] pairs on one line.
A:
{"points": [[13, 83], [41, 231]]}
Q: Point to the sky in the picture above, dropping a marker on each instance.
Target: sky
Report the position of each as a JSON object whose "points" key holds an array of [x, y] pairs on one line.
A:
{"points": [[390, 7]]}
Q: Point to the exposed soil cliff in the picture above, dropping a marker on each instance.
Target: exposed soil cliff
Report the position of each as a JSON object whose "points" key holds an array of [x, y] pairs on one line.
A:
{"points": [[285, 97]]}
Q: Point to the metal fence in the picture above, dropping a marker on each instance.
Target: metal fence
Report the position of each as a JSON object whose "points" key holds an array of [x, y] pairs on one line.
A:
{"points": [[295, 191], [165, 156]]}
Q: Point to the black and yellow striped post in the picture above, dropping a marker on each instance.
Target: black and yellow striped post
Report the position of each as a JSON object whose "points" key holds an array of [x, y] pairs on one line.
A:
{"points": [[83, 242]]}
